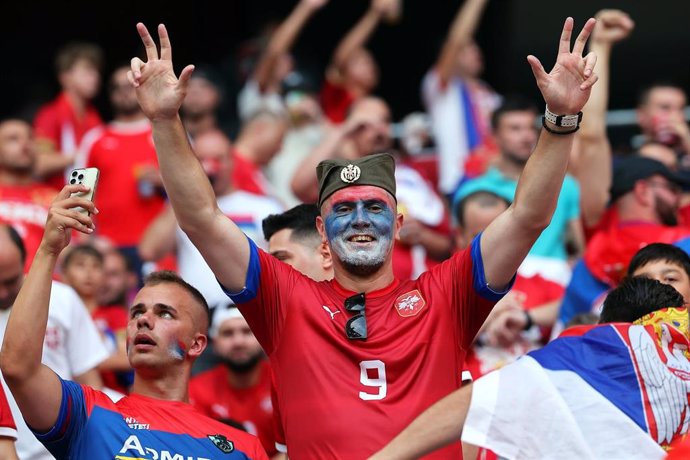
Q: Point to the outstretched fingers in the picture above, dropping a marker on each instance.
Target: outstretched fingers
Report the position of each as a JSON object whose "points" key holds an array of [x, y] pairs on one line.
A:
{"points": [[564, 44], [185, 75], [134, 74], [591, 80], [149, 44], [581, 40], [166, 49]]}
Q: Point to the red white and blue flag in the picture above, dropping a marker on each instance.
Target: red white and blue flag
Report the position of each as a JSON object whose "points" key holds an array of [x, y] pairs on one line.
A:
{"points": [[607, 391]]}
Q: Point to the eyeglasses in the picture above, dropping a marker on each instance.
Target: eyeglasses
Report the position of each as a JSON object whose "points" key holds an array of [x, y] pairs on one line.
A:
{"points": [[356, 327]]}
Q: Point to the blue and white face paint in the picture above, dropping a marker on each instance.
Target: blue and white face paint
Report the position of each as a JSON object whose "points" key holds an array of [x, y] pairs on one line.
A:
{"points": [[360, 227]]}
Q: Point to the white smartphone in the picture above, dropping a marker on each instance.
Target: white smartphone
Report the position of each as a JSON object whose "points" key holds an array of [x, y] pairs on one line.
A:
{"points": [[88, 177]]}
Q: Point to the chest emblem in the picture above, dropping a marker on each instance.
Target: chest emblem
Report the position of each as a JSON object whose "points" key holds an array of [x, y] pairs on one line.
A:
{"points": [[224, 444], [410, 303], [332, 313]]}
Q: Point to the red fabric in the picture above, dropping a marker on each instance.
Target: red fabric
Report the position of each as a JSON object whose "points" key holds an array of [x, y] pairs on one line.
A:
{"points": [[120, 154], [212, 395], [6, 419], [684, 215], [247, 176], [111, 322], [418, 332], [403, 264], [680, 449], [26, 209], [609, 251], [58, 123], [335, 101]]}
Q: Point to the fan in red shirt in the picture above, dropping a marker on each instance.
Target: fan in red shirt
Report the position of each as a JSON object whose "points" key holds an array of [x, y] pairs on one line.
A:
{"points": [[23, 202], [61, 123], [353, 72], [357, 358], [241, 385]]}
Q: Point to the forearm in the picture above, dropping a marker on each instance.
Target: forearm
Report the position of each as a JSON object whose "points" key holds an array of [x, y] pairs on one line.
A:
{"points": [[189, 191], [437, 245], [7, 449], [439, 425], [22, 346], [461, 33], [304, 184], [159, 238], [546, 315], [49, 163], [281, 42], [357, 37], [540, 182]]}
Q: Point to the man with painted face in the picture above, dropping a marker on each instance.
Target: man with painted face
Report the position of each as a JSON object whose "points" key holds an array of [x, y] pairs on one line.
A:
{"points": [[358, 357]]}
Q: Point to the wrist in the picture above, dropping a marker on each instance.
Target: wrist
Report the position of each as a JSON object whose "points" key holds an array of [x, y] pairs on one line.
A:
{"points": [[529, 322]]}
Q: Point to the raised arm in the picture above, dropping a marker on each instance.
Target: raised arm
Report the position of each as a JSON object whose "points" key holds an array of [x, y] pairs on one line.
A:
{"points": [[358, 36], [508, 239], [593, 167], [282, 40], [159, 238], [35, 387], [461, 34], [159, 92]]}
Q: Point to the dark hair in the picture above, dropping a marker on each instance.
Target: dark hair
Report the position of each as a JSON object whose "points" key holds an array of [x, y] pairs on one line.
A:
{"points": [[482, 196], [638, 296], [83, 249], [645, 91], [16, 239], [301, 219], [512, 103], [660, 252], [72, 52], [169, 276], [583, 319]]}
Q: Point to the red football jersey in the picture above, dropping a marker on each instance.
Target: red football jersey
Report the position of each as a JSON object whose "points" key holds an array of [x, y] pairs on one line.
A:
{"points": [[342, 398], [111, 322], [211, 394], [26, 209], [335, 101], [248, 176], [121, 151], [57, 123]]}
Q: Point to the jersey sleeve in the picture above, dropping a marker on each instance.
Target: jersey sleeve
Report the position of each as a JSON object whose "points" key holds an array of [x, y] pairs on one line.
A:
{"points": [[269, 281], [71, 420], [470, 295], [7, 426]]}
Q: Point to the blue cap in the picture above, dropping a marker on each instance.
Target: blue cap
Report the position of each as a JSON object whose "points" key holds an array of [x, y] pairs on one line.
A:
{"points": [[495, 183]]}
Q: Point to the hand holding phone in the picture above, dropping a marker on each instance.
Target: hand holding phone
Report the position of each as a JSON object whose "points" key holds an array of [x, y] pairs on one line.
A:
{"points": [[87, 177]]}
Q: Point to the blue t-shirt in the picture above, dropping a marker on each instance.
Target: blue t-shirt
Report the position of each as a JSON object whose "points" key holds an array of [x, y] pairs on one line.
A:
{"points": [[91, 426]]}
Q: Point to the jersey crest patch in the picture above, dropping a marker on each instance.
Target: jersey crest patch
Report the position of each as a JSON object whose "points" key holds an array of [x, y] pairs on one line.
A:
{"points": [[410, 303], [224, 444]]}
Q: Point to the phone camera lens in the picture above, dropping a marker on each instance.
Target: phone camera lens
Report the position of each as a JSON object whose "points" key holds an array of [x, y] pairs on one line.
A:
{"points": [[74, 174], [81, 177], [72, 181]]}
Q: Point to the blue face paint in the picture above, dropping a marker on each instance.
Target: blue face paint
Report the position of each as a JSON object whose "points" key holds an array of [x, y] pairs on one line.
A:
{"points": [[360, 232], [177, 350]]}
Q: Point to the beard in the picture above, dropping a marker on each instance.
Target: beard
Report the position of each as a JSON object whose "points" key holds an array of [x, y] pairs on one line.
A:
{"points": [[362, 262], [666, 213], [243, 366]]}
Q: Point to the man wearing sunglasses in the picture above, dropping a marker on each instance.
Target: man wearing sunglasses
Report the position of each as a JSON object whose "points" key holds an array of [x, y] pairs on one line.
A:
{"points": [[358, 357]]}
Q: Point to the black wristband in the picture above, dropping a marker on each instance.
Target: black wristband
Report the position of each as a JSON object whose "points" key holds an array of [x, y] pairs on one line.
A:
{"points": [[553, 131], [529, 323]]}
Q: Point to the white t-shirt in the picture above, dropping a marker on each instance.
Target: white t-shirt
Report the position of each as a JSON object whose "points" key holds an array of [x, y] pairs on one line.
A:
{"points": [[246, 210], [250, 100], [71, 347]]}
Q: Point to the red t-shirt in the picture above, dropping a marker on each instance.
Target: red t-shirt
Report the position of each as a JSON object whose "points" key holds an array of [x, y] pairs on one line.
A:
{"points": [[341, 397], [25, 207], [111, 322], [213, 396], [335, 101], [57, 122], [121, 151]]}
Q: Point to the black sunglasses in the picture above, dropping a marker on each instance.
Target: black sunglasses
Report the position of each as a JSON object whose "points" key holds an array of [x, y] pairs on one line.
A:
{"points": [[356, 327]]}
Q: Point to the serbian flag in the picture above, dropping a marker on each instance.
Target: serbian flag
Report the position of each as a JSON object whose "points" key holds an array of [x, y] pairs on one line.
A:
{"points": [[606, 391]]}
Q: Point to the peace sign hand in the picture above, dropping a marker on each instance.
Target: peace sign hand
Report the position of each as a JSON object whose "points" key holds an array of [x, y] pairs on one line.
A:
{"points": [[159, 91], [567, 87]]}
